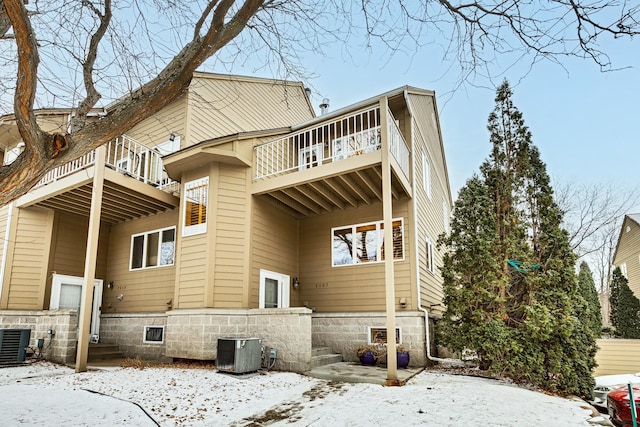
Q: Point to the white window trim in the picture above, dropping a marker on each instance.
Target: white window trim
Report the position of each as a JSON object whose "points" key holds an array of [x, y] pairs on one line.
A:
{"points": [[283, 288], [353, 232], [191, 230], [430, 255], [445, 216], [144, 334], [371, 342], [426, 174], [144, 248]]}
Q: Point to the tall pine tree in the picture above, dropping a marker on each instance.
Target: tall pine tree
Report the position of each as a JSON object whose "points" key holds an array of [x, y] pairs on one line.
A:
{"points": [[591, 316], [624, 307], [509, 281]]}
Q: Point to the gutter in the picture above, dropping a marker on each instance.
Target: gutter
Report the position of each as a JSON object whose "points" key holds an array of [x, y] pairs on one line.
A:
{"points": [[401, 91], [416, 250]]}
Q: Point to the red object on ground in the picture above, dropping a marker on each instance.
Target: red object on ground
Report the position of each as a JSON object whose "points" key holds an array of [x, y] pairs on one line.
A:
{"points": [[619, 408]]}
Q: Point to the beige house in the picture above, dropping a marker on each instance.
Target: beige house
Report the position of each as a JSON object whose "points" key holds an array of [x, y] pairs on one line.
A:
{"points": [[236, 212], [627, 254]]}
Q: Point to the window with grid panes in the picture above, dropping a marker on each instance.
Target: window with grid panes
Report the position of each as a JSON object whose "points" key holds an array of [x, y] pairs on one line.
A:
{"points": [[153, 248], [364, 243], [195, 206]]}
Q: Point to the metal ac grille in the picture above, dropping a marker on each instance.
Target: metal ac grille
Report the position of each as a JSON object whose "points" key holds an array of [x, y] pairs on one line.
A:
{"points": [[13, 343]]}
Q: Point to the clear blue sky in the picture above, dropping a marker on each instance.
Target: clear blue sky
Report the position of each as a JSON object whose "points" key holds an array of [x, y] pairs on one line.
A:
{"points": [[585, 122]]}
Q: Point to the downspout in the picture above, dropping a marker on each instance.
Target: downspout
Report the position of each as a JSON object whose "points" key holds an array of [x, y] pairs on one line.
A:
{"points": [[5, 247], [416, 251]]}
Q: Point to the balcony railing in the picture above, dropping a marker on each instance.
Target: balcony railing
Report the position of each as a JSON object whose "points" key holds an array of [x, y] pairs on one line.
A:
{"points": [[126, 156], [349, 136]]}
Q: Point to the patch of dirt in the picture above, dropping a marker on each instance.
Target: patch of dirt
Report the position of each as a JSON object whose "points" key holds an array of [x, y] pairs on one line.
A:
{"points": [[290, 410]]}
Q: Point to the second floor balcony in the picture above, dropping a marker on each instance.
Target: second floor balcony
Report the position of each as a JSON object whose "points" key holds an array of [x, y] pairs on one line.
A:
{"points": [[136, 184], [334, 164]]}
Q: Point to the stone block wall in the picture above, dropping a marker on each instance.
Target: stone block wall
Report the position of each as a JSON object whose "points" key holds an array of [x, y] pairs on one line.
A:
{"points": [[288, 330], [127, 332], [345, 332], [193, 334], [58, 347]]}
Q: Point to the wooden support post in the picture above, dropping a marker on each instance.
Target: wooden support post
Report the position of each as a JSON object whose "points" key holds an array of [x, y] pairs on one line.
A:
{"points": [[86, 302], [387, 208]]}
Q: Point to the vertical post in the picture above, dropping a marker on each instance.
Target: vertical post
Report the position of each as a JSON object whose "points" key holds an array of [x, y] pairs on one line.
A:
{"points": [[86, 301], [632, 406], [387, 214]]}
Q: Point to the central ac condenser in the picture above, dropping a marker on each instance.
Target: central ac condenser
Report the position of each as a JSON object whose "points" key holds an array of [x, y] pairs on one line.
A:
{"points": [[13, 345], [239, 355]]}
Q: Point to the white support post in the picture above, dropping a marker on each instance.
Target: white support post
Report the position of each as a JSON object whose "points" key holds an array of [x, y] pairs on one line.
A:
{"points": [[86, 302]]}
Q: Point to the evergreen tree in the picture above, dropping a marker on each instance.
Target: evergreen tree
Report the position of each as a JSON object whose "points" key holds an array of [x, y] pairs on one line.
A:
{"points": [[624, 307], [509, 281], [592, 315]]}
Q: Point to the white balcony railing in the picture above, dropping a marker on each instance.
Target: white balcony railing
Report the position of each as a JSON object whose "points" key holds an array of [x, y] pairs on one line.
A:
{"points": [[356, 134], [397, 145], [126, 156]]}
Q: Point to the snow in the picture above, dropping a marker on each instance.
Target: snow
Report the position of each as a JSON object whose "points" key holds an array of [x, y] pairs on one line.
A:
{"points": [[49, 394]]}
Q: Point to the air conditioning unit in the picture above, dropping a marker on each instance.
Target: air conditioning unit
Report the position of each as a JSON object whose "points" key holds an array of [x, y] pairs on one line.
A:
{"points": [[13, 345], [239, 355]]}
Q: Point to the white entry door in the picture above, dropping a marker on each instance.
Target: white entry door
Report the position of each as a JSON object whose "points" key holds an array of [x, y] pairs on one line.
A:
{"points": [[274, 290], [66, 294]]}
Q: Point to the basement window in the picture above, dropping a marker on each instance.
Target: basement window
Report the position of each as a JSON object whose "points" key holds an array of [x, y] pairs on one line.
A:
{"points": [[153, 335]]}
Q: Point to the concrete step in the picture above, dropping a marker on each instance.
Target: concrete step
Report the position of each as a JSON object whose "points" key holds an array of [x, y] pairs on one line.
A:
{"points": [[325, 359], [319, 351], [103, 352]]}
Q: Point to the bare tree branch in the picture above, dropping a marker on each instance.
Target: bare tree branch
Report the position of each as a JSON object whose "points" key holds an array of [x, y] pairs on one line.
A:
{"points": [[593, 215], [141, 55], [5, 22]]}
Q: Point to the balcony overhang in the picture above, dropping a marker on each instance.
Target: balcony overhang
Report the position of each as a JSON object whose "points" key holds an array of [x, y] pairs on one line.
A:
{"points": [[349, 183], [175, 164], [124, 198]]}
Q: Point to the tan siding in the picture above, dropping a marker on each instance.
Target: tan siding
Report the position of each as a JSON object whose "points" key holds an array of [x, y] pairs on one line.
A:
{"points": [[157, 128], [430, 215], [144, 290], [424, 111], [29, 265], [629, 253], [70, 245], [348, 288], [617, 357], [220, 106], [273, 246], [231, 261]]}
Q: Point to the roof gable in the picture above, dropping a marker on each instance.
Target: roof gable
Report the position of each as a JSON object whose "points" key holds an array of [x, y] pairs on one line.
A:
{"points": [[220, 105], [630, 226]]}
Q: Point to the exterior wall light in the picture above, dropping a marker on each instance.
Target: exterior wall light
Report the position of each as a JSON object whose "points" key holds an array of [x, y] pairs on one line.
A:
{"points": [[296, 283]]}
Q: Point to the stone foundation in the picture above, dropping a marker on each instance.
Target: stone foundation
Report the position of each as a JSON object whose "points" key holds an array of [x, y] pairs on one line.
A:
{"points": [[127, 332], [61, 345], [345, 332], [193, 334]]}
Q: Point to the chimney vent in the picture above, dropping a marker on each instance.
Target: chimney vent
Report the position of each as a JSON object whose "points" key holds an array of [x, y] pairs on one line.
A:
{"points": [[324, 107]]}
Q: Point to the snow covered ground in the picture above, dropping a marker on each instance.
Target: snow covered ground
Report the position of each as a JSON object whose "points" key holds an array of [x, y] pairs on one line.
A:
{"points": [[52, 395]]}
